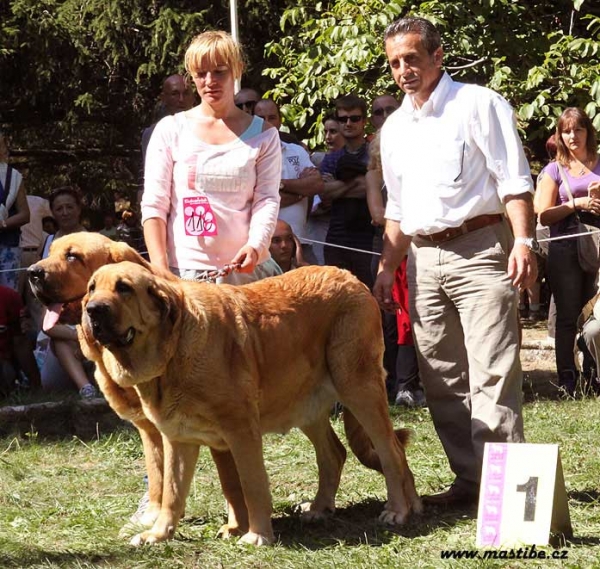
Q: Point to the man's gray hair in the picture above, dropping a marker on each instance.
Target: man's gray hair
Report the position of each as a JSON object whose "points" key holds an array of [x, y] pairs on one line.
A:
{"points": [[430, 37]]}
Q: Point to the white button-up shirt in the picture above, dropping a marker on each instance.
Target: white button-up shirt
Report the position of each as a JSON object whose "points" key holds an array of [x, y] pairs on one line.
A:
{"points": [[457, 157]]}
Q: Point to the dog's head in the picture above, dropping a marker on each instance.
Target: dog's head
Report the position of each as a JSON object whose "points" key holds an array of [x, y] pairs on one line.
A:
{"points": [[62, 277], [129, 320]]}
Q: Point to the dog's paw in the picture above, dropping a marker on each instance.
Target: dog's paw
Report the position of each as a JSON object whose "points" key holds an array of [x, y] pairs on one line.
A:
{"points": [[393, 518], [150, 537], [226, 532], [252, 538], [310, 513]]}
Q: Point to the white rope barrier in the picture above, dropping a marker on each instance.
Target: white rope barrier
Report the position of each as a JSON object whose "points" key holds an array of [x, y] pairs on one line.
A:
{"points": [[306, 240]]}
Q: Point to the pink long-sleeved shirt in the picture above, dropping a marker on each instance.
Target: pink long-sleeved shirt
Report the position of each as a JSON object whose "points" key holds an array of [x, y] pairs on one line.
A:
{"points": [[232, 188]]}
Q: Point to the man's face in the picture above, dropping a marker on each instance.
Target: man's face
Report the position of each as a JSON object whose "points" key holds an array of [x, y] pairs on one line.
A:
{"points": [[176, 95], [415, 71], [352, 123], [282, 245], [268, 111], [246, 100], [383, 107]]}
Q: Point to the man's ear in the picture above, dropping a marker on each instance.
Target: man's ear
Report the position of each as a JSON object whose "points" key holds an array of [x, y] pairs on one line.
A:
{"points": [[438, 56]]}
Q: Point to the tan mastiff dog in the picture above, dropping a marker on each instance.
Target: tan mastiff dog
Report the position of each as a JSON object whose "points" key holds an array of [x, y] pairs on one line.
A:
{"points": [[222, 365]]}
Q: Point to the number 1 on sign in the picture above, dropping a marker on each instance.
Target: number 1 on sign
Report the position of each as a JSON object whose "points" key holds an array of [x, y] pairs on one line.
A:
{"points": [[530, 489]]}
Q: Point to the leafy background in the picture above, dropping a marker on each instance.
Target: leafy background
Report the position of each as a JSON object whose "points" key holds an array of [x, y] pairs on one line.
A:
{"points": [[79, 80]]}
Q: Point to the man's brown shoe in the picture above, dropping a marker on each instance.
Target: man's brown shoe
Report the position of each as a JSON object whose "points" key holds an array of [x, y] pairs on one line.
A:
{"points": [[454, 497]]}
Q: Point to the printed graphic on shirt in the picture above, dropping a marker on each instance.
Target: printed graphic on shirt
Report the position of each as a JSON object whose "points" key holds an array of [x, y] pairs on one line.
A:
{"points": [[214, 174], [198, 217], [294, 162]]}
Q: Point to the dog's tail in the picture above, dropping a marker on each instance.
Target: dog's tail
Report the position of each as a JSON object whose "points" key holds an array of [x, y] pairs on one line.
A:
{"points": [[361, 444]]}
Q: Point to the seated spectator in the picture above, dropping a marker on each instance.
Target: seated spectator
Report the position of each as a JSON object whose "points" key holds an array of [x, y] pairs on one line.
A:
{"points": [[130, 230], [285, 248], [14, 213], [49, 225], [588, 342], [110, 229], [16, 351], [62, 363]]}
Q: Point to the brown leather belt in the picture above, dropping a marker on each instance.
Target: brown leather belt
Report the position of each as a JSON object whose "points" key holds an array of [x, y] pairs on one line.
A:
{"points": [[470, 225], [29, 249]]}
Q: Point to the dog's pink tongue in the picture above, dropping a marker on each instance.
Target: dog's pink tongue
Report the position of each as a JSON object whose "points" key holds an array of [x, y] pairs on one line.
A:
{"points": [[52, 315]]}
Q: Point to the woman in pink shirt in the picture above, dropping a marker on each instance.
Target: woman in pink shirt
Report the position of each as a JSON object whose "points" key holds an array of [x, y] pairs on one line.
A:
{"points": [[212, 174]]}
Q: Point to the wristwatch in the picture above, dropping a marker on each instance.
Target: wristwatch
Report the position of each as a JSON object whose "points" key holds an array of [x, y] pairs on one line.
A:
{"points": [[529, 242]]}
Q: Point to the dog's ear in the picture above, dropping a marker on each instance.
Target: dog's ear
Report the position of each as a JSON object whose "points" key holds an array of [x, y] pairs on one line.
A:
{"points": [[119, 251], [167, 298]]}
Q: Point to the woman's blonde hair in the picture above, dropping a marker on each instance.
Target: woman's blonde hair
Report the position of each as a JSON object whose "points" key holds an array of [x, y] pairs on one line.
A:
{"points": [[215, 48]]}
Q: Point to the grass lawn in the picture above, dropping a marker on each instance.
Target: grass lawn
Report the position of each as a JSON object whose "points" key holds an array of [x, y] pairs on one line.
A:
{"points": [[62, 503]]}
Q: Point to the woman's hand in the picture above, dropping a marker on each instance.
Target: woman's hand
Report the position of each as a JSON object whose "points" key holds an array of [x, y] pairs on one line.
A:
{"points": [[588, 204], [248, 257]]}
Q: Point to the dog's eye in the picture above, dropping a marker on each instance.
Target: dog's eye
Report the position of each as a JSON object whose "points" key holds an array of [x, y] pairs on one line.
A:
{"points": [[92, 287], [123, 287], [71, 257]]}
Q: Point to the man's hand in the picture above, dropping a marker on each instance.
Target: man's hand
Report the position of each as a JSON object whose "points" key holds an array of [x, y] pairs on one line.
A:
{"points": [[382, 291], [522, 266]]}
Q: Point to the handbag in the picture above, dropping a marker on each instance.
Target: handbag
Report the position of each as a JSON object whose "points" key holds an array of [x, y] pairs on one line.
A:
{"points": [[588, 246]]}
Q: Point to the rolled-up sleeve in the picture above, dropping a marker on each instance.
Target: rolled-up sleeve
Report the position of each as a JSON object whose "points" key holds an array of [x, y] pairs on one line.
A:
{"points": [[158, 171], [497, 136], [265, 205]]}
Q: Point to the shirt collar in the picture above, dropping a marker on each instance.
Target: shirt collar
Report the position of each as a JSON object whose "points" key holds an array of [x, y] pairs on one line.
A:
{"points": [[433, 103]]}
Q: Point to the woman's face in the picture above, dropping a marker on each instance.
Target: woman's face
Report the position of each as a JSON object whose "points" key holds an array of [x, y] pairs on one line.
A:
{"points": [[574, 137], [333, 135], [214, 83], [66, 212]]}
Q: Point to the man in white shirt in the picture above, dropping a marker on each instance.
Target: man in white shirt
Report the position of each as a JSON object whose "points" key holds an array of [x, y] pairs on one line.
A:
{"points": [[300, 180], [453, 165]]}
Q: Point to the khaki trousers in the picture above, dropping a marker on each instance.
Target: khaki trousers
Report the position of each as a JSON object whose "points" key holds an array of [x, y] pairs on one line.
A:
{"points": [[464, 313]]}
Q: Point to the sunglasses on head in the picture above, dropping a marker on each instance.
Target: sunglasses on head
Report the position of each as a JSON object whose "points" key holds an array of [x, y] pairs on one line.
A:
{"points": [[351, 118], [383, 110], [248, 104]]}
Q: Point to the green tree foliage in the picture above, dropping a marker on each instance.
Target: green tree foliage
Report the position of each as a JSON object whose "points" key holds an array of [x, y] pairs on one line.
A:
{"points": [[542, 56], [80, 80]]}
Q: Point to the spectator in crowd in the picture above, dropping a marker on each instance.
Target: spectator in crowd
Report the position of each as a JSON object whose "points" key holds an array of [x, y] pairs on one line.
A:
{"points": [[285, 247], [62, 364], [344, 176], [246, 98], [16, 350], [270, 112], [319, 216], [175, 97], [452, 164], [588, 342], [211, 194], [381, 108], [109, 228], [14, 213], [572, 287], [32, 239], [130, 230], [300, 181], [400, 357], [49, 225]]}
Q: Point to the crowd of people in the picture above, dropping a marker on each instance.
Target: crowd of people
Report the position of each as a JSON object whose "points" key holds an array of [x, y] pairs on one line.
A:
{"points": [[429, 201]]}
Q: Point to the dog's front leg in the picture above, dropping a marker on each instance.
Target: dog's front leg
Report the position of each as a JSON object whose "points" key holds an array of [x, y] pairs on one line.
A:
{"points": [[246, 447], [154, 458], [237, 513], [179, 464]]}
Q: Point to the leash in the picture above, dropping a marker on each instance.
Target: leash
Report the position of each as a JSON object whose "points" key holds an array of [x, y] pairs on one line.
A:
{"points": [[211, 276]]}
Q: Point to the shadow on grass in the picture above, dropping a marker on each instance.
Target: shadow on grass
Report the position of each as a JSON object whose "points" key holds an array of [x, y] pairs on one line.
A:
{"points": [[33, 556], [358, 525]]}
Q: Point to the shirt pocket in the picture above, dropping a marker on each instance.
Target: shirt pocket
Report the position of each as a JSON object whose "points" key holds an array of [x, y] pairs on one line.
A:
{"points": [[449, 165]]}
